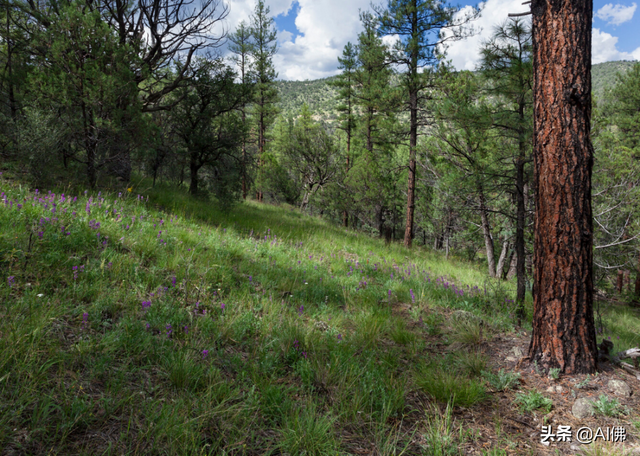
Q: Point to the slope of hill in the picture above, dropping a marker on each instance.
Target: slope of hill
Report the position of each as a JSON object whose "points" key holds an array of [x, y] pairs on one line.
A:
{"points": [[320, 96], [148, 322], [603, 75]]}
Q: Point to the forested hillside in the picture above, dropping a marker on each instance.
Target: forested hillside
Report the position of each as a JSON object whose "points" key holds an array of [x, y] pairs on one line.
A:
{"points": [[321, 96], [198, 259], [603, 75]]}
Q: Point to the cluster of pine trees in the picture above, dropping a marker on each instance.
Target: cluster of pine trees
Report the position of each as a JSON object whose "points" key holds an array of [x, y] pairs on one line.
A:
{"points": [[419, 152]]}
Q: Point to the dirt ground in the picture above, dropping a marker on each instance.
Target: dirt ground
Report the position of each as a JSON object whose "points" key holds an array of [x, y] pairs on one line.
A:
{"points": [[524, 429]]}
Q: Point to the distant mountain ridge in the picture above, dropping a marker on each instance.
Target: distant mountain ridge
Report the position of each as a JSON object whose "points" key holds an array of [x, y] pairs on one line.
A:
{"points": [[321, 97]]}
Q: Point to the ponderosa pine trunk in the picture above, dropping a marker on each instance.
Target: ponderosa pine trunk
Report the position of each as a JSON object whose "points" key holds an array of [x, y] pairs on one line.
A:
{"points": [[563, 327]]}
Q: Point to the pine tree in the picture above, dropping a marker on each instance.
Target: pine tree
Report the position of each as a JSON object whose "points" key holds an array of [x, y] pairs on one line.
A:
{"points": [[506, 63], [266, 94], [376, 103], [242, 46], [419, 25], [345, 83]]}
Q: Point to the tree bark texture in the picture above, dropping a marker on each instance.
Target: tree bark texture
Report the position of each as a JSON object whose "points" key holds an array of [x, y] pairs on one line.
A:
{"points": [[563, 327]]}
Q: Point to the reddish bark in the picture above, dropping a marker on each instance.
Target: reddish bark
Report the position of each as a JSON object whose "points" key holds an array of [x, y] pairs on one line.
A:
{"points": [[563, 328]]}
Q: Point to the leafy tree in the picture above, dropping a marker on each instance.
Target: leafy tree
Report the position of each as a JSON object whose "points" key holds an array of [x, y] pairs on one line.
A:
{"points": [[264, 48], [507, 64], [624, 108], [312, 153], [464, 137], [419, 27], [345, 83], [616, 179], [241, 46], [154, 34], [377, 104], [84, 73], [206, 119]]}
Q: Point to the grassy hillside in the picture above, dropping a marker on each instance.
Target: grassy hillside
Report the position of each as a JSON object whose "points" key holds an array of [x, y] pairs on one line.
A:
{"points": [[320, 96], [147, 322]]}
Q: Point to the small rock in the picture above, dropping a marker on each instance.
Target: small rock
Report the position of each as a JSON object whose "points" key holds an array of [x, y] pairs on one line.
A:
{"points": [[545, 443], [619, 388], [511, 359], [551, 389], [517, 352], [321, 325], [582, 408], [559, 389]]}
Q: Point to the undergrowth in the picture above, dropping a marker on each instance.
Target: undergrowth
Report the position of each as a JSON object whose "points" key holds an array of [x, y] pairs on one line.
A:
{"points": [[149, 322]]}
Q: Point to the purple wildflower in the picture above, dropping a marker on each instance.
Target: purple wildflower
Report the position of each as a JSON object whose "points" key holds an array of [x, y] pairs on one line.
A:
{"points": [[205, 353], [11, 280]]}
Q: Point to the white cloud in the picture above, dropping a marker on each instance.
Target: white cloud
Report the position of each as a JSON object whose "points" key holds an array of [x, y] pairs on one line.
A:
{"points": [[603, 48], [325, 28], [616, 14], [465, 54]]}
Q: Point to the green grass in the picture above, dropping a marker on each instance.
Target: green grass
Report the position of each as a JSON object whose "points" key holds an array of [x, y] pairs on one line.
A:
{"points": [[447, 385], [533, 400], [184, 329], [501, 380], [608, 407]]}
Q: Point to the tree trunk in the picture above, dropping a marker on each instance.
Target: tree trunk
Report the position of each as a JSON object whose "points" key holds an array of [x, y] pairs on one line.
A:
{"points": [[193, 168], [619, 281], [244, 154], [637, 290], [261, 143], [413, 129], [345, 214], [563, 327], [502, 259], [511, 273], [90, 143], [486, 230], [627, 280], [521, 211], [413, 141]]}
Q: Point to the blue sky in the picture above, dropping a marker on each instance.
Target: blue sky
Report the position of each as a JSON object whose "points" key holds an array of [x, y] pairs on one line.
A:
{"points": [[312, 33]]}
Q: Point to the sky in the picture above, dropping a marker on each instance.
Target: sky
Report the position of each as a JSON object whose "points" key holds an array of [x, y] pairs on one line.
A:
{"points": [[313, 33]]}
